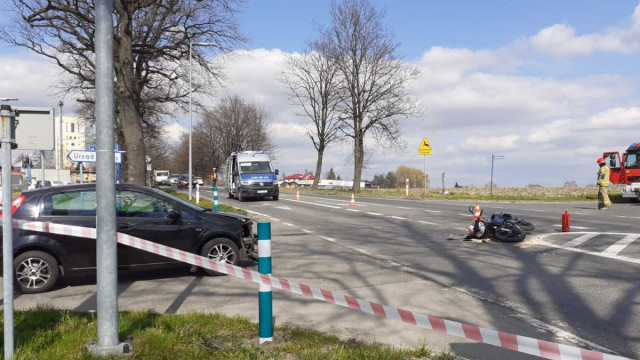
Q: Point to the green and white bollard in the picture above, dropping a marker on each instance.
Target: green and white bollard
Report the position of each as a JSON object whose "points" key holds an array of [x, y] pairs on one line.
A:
{"points": [[265, 298], [215, 198]]}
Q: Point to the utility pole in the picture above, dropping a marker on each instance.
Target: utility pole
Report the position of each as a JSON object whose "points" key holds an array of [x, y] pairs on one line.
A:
{"points": [[106, 242], [443, 187], [8, 141], [60, 151], [494, 157]]}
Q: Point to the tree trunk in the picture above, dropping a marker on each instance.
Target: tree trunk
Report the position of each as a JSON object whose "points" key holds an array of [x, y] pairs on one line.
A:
{"points": [[128, 95], [358, 163], [316, 179]]}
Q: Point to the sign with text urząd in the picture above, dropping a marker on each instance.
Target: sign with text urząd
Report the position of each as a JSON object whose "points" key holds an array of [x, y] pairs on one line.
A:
{"points": [[425, 147], [85, 156]]}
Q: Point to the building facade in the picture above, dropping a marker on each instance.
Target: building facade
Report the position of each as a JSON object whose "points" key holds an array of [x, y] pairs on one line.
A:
{"points": [[73, 138]]}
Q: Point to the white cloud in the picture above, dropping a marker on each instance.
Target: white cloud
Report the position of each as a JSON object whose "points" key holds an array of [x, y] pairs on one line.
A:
{"points": [[617, 118], [562, 40], [174, 131], [491, 143]]}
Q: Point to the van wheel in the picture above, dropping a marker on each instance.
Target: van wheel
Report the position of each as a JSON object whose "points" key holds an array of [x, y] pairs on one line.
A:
{"points": [[230, 195], [240, 197], [35, 272], [220, 249], [276, 197]]}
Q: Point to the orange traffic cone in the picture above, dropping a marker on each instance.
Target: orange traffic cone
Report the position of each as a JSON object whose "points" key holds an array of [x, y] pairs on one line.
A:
{"points": [[297, 194], [477, 212], [353, 200]]}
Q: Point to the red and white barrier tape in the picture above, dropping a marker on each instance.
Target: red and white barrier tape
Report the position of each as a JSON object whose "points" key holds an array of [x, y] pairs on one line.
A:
{"points": [[523, 344]]}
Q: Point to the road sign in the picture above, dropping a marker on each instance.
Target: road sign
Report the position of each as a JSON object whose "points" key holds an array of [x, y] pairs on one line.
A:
{"points": [[35, 130], [85, 156], [425, 147]]}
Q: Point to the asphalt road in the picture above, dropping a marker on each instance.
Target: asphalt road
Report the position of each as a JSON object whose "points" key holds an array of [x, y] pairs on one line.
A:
{"points": [[585, 284], [580, 288]]}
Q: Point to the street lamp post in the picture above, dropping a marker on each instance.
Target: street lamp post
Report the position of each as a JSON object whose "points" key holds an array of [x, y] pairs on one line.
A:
{"points": [[60, 155], [494, 157], [191, 45]]}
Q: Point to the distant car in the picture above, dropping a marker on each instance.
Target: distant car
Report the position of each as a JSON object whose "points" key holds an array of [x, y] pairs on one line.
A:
{"points": [[56, 183], [41, 259], [198, 180], [161, 177], [43, 184], [183, 182], [173, 179]]}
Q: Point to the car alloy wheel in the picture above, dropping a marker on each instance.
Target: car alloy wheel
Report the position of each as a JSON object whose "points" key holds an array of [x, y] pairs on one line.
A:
{"points": [[222, 252], [33, 273]]}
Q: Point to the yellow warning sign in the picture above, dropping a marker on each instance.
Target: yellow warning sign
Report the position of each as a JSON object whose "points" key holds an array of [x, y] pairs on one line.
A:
{"points": [[425, 147]]}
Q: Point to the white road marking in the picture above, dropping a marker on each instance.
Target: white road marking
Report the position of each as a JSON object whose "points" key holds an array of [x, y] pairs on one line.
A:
{"points": [[628, 217], [575, 227], [583, 251], [354, 210], [257, 213], [621, 244], [465, 215], [328, 238], [428, 223], [363, 251], [404, 208], [373, 213], [286, 223], [307, 231], [534, 210], [283, 208], [310, 203], [580, 239], [398, 217], [433, 211]]}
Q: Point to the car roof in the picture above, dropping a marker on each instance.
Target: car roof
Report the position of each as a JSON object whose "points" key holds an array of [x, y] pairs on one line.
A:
{"points": [[77, 187]]}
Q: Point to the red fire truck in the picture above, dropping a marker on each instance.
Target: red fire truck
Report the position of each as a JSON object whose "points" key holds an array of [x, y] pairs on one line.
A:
{"points": [[626, 170]]}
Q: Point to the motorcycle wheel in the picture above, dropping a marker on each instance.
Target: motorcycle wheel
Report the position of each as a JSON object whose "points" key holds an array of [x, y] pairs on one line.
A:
{"points": [[509, 233], [526, 225]]}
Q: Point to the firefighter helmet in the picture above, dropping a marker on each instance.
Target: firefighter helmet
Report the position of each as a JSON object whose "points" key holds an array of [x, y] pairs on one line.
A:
{"points": [[601, 161]]}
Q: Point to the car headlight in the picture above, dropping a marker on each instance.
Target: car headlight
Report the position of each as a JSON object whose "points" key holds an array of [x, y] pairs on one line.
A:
{"points": [[245, 182]]}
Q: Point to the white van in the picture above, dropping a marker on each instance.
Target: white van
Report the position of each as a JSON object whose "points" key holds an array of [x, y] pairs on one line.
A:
{"points": [[250, 174], [161, 177]]}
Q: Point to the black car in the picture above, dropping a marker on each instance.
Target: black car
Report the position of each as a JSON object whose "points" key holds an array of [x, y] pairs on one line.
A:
{"points": [[183, 181], [41, 258]]}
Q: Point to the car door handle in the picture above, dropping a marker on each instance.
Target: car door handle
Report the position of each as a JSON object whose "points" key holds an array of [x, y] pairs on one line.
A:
{"points": [[124, 227]]}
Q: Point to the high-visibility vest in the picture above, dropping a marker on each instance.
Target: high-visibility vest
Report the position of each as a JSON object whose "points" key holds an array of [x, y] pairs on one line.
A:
{"points": [[214, 176], [603, 176]]}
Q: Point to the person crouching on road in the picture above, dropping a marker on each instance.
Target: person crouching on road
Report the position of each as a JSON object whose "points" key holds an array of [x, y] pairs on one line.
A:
{"points": [[603, 186]]}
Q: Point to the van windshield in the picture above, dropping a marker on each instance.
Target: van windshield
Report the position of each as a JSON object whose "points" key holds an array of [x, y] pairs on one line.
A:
{"points": [[162, 173], [255, 167]]}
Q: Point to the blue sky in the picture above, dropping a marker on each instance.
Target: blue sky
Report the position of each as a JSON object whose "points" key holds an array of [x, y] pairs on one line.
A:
{"points": [[542, 82]]}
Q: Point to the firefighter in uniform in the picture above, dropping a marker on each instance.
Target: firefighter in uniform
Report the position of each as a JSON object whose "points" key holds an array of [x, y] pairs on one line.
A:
{"points": [[214, 177], [603, 185]]}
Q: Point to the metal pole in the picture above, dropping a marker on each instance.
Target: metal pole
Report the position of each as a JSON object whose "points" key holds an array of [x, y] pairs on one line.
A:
{"points": [[443, 187], [7, 233], [190, 117], [81, 173], [491, 185], [60, 150], [424, 168], [42, 165], [106, 245]]}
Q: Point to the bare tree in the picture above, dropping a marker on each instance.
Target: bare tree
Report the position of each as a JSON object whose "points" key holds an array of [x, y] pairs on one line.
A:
{"points": [[232, 125], [312, 81], [151, 45], [373, 94]]}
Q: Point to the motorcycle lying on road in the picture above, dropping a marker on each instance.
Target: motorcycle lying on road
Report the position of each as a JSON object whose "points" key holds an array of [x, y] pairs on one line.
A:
{"points": [[501, 227]]}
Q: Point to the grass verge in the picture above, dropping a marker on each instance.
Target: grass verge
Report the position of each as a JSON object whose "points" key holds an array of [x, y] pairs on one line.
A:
{"points": [[205, 203], [54, 334], [500, 194]]}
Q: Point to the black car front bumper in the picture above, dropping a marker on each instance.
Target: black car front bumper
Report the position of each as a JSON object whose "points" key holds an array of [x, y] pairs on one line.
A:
{"points": [[252, 190]]}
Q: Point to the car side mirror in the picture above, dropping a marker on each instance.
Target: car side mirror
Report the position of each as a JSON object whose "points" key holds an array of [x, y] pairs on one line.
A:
{"points": [[277, 172], [174, 215]]}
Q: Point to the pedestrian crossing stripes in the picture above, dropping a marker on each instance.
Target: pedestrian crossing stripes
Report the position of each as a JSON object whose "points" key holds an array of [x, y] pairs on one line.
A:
{"points": [[618, 246]]}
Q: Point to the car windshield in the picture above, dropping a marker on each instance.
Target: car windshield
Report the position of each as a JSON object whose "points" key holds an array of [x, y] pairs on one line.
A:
{"points": [[162, 173], [632, 161], [182, 202], [255, 167]]}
